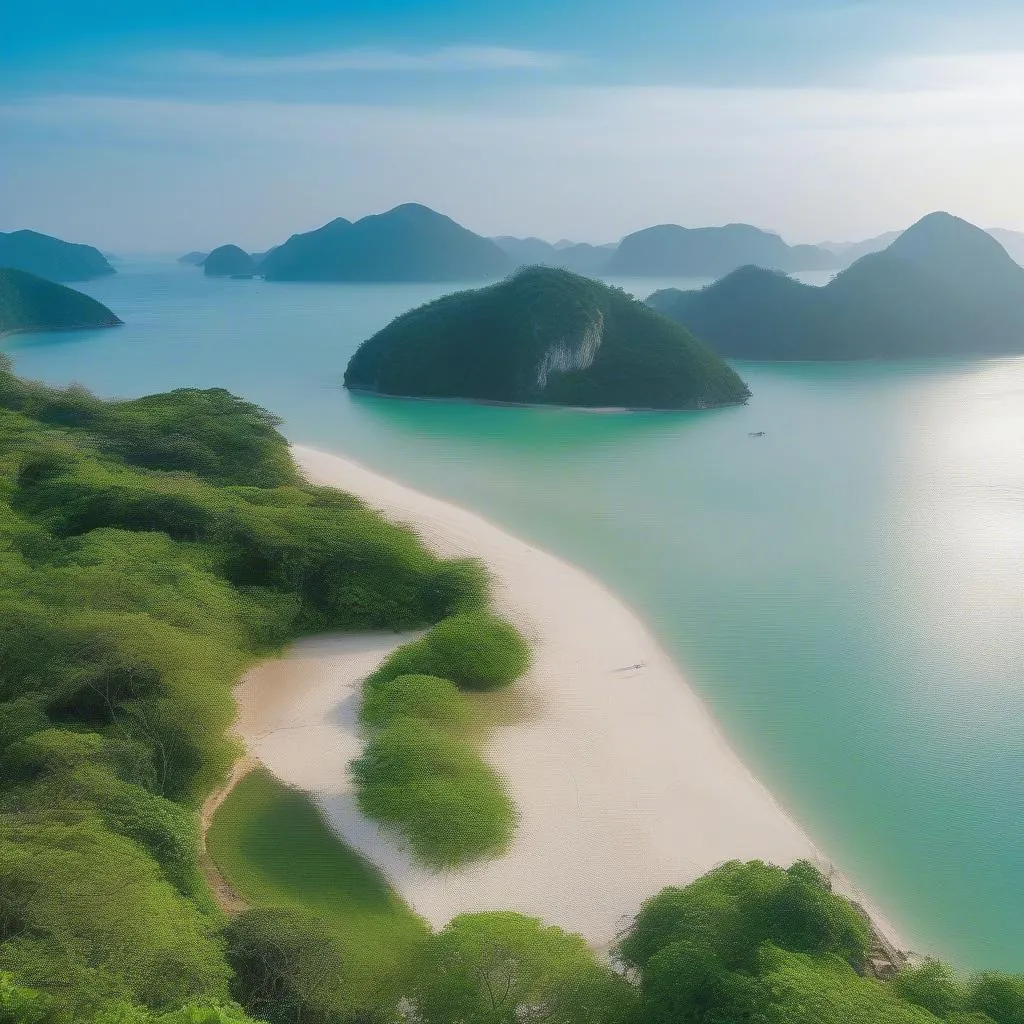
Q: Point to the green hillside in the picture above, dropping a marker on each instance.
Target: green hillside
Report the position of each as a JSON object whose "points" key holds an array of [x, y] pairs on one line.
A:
{"points": [[52, 258], [30, 303]]}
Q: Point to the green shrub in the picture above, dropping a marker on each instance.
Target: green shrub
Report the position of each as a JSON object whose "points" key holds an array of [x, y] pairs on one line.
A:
{"points": [[825, 990], [288, 967], [436, 792], [505, 967], [88, 917], [734, 909], [1001, 996], [932, 985], [426, 698], [475, 650]]}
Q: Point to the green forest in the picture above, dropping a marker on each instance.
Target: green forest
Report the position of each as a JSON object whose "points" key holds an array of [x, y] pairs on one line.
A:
{"points": [[151, 550]]}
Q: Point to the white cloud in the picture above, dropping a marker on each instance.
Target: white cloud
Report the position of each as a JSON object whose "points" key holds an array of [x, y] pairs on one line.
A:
{"points": [[584, 162], [449, 58]]}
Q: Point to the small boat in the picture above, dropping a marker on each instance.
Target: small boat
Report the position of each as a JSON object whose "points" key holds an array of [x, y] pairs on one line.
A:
{"points": [[756, 433]]}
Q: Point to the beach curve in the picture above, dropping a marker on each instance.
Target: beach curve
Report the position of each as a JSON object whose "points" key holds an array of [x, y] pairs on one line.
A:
{"points": [[623, 780]]}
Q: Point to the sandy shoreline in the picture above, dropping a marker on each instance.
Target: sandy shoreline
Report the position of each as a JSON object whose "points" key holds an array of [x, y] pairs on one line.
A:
{"points": [[623, 780]]}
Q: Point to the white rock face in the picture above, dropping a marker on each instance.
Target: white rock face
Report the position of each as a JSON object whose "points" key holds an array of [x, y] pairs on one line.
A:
{"points": [[572, 353]]}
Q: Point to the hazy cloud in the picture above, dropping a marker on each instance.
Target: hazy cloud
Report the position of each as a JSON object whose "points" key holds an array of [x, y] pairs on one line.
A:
{"points": [[449, 58], [593, 163]]}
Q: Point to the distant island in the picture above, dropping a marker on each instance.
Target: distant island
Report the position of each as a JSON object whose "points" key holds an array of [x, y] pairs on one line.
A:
{"points": [[1011, 241], [51, 257], [849, 252], [194, 258], [544, 336], [409, 243], [579, 257], [669, 250], [31, 303], [943, 288], [229, 261]]}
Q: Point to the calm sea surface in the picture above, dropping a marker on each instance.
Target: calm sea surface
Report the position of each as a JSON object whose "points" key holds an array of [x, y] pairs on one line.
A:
{"points": [[846, 592]]}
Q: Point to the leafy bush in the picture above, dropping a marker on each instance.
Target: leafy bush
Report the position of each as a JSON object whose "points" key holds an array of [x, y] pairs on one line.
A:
{"points": [[475, 650], [425, 698], [288, 967], [805, 989], [502, 967], [436, 792], [1000, 996], [87, 915], [933, 986], [733, 910]]}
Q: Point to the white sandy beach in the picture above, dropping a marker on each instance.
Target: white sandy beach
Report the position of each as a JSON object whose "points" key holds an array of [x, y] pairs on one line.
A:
{"points": [[623, 781]]}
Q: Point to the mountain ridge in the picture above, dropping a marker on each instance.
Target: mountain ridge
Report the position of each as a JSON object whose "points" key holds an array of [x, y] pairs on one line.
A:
{"points": [[943, 287]]}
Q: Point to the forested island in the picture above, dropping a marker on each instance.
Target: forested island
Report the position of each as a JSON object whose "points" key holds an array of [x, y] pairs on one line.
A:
{"points": [[52, 258], [30, 303], [409, 243], [668, 250], [229, 261], [545, 336], [942, 288]]}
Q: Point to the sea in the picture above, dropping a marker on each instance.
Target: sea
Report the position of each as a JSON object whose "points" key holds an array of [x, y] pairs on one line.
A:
{"points": [[845, 590]]}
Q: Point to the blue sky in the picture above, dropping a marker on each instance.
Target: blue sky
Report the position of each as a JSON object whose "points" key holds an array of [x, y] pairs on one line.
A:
{"points": [[179, 125]]}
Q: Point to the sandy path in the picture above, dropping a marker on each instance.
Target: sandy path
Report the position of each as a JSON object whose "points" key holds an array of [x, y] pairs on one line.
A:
{"points": [[224, 895], [623, 780]]}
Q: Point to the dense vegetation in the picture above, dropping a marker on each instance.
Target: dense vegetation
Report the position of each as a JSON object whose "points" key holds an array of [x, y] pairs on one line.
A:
{"points": [[52, 258], [943, 288], [669, 250], [544, 335], [420, 774], [755, 944], [229, 261], [131, 597], [408, 243], [30, 303]]}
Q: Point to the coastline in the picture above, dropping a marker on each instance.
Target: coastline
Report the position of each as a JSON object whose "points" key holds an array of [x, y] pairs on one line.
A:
{"points": [[12, 332], [366, 392], [623, 780]]}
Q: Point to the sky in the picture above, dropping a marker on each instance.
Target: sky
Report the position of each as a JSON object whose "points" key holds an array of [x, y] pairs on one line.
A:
{"points": [[168, 126]]}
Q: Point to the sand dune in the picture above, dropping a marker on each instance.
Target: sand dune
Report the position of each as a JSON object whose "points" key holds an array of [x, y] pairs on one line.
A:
{"points": [[623, 780]]}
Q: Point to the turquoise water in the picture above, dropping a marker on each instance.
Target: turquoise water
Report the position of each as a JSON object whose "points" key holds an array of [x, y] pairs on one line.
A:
{"points": [[846, 592]]}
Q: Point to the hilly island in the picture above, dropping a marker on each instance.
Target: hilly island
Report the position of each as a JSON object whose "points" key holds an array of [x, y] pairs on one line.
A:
{"points": [[409, 243], [51, 257], [544, 336], [30, 303], [943, 288], [229, 261]]}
